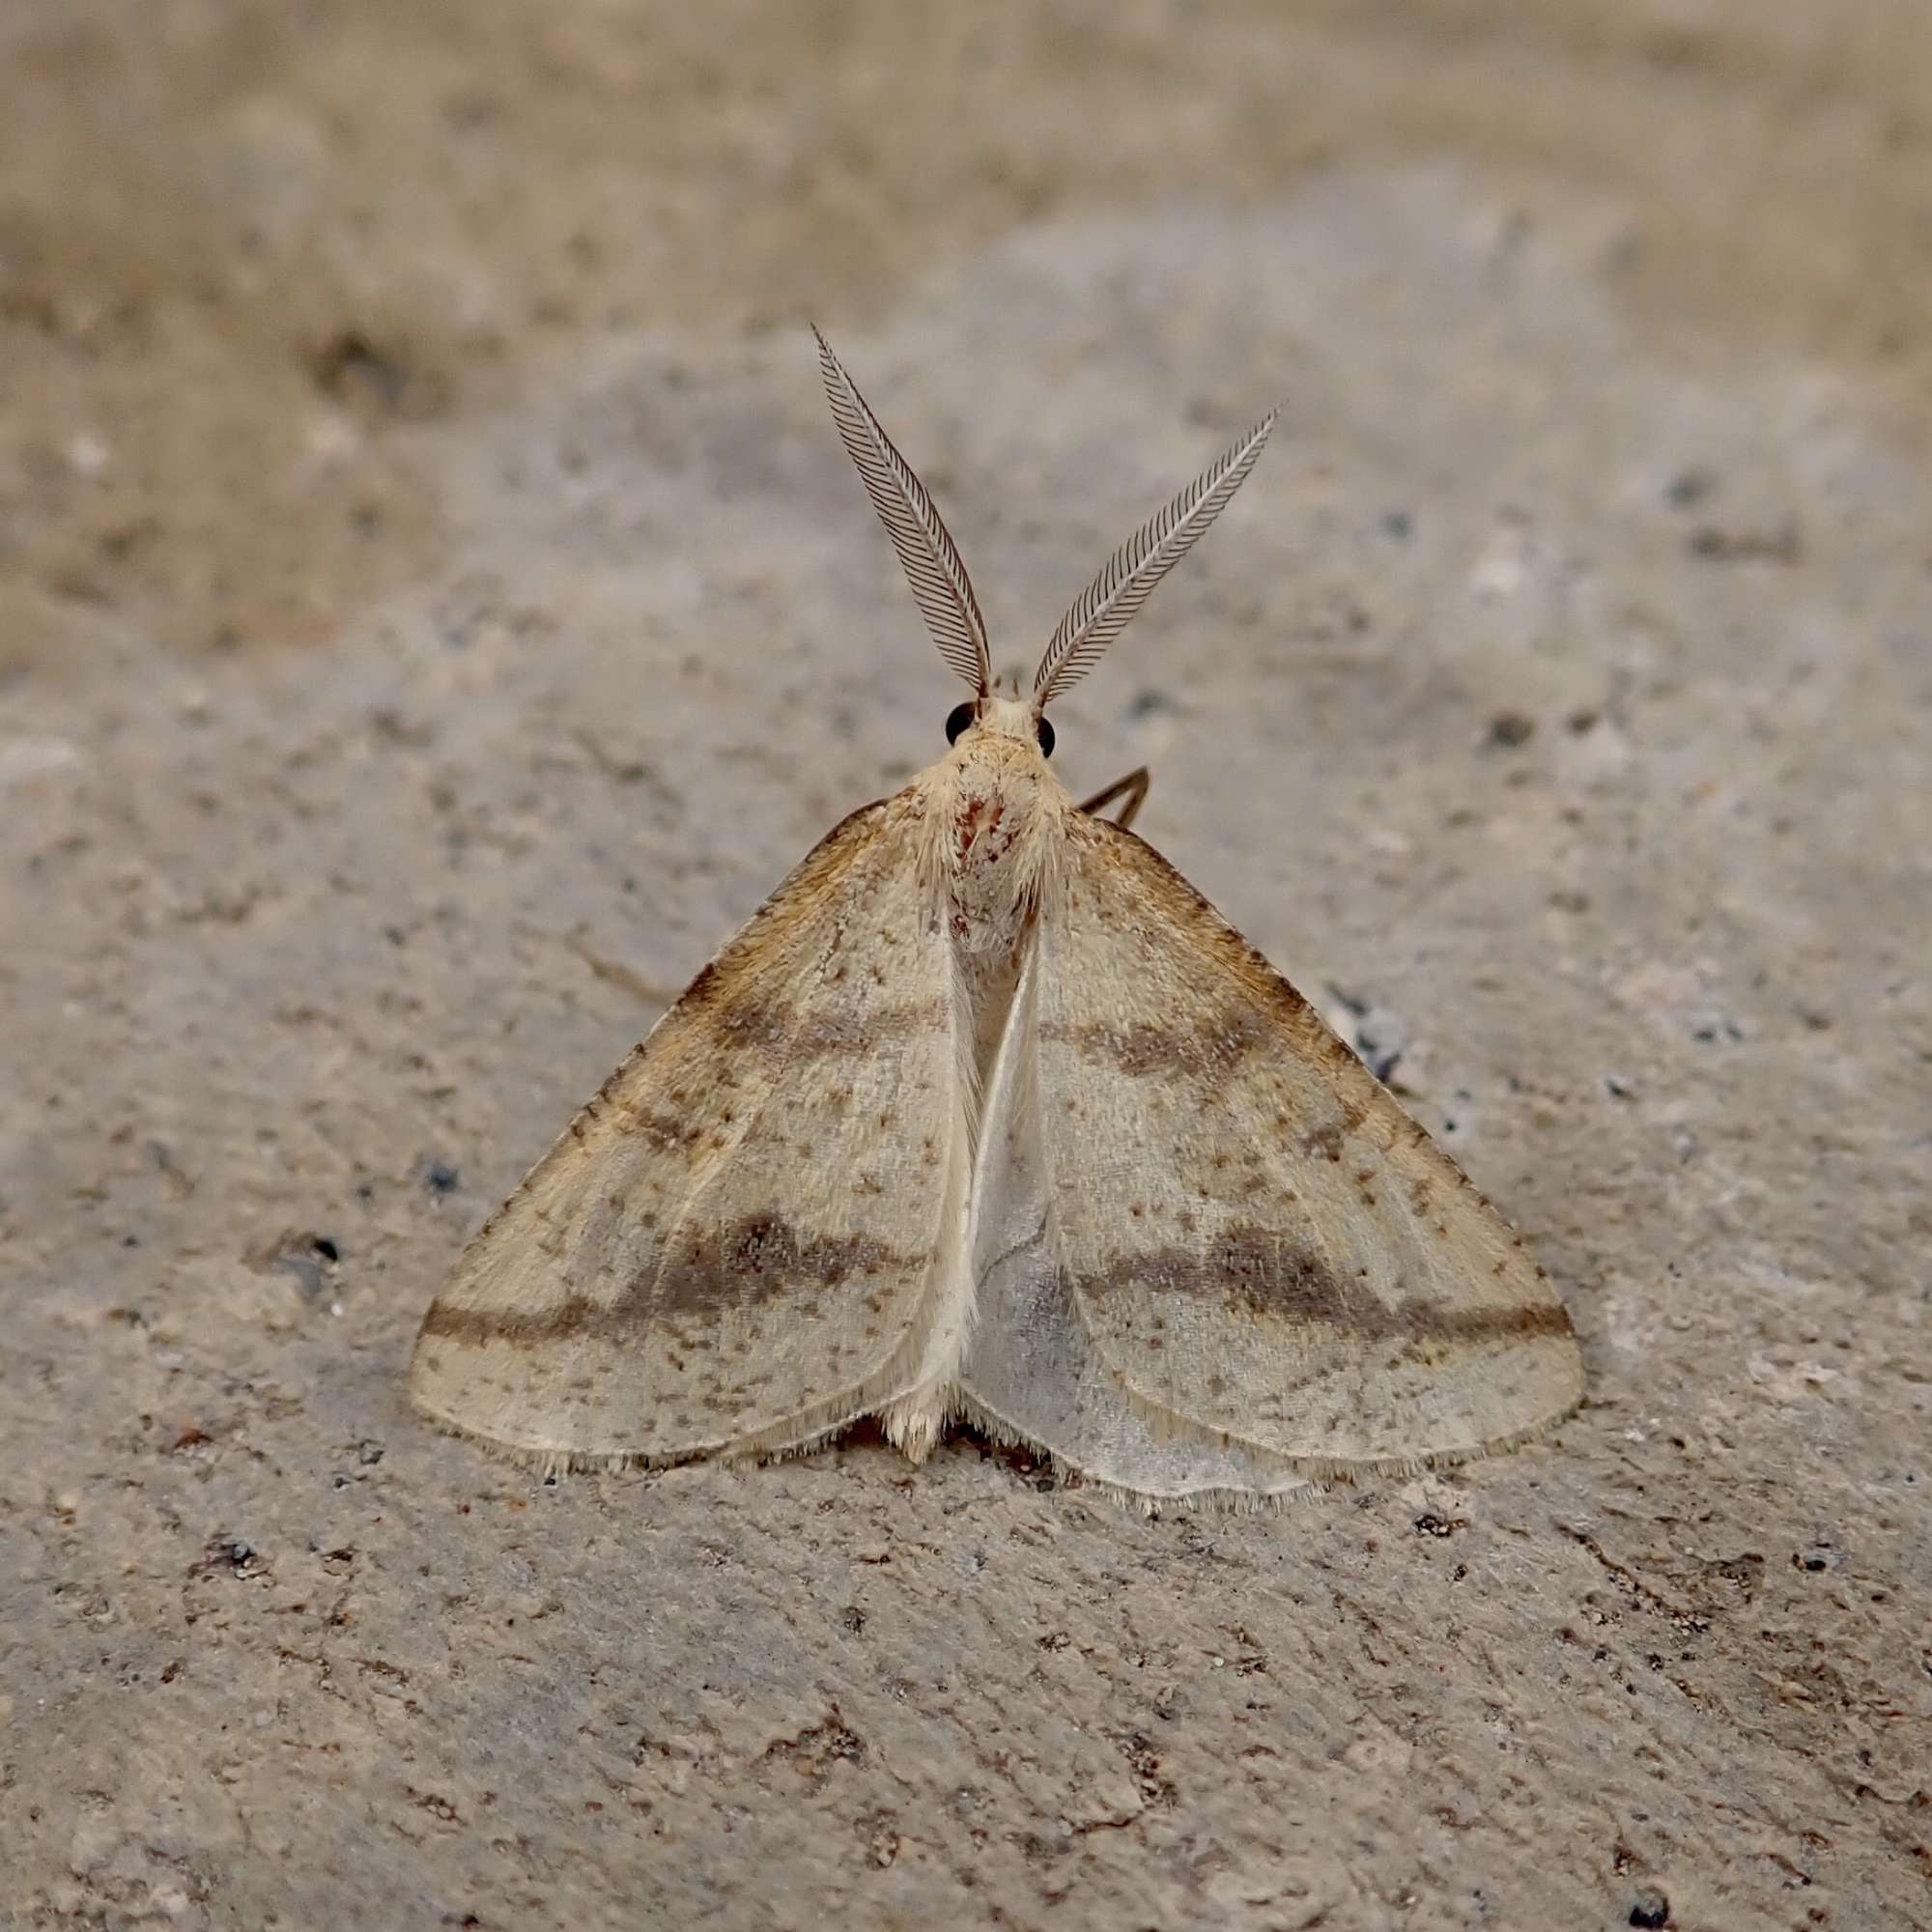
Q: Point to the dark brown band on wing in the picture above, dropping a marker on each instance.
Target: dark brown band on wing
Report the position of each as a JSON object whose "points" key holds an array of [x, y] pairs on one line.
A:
{"points": [[764, 1024], [1208, 1048], [709, 1271], [1265, 999], [1268, 1274]]}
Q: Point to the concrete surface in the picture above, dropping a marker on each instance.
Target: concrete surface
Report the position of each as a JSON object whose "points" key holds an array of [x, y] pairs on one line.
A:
{"points": [[433, 608]]}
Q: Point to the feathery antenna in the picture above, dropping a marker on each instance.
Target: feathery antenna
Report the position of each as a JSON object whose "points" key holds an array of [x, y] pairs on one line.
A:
{"points": [[1103, 609], [940, 586]]}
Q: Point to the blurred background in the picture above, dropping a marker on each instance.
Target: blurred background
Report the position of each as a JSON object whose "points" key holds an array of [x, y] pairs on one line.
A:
{"points": [[242, 245]]}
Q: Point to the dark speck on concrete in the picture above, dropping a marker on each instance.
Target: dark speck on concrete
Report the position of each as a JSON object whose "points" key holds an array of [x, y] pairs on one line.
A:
{"points": [[1687, 487]]}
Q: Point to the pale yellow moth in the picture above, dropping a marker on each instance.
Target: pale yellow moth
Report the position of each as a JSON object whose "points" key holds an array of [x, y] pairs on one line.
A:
{"points": [[987, 1114]]}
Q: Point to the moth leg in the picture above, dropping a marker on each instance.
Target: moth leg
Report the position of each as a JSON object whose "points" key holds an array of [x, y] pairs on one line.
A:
{"points": [[1134, 786], [646, 992]]}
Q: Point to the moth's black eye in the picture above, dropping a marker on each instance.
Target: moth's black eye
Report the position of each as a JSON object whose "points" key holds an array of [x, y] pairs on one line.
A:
{"points": [[958, 718], [1043, 731]]}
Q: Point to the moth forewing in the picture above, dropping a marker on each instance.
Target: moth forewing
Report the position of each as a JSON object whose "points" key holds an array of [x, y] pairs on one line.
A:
{"points": [[1292, 1264], [733, 1248], [987, 1112]]}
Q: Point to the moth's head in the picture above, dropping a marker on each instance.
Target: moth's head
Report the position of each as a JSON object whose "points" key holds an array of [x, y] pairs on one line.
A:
{"points": [[999, 714]]}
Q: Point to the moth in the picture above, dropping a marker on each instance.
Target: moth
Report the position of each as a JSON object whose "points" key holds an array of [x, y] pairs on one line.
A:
{"points": [[988, 1115]]}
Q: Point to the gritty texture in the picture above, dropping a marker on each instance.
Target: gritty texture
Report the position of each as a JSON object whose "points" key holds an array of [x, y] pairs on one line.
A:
{"points": [[437, 610]]}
